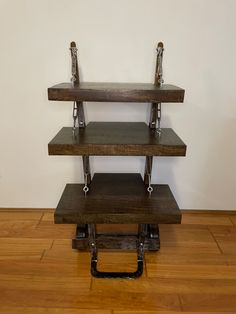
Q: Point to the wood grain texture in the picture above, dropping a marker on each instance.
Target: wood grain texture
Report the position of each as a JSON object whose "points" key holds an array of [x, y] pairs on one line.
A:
{"points": [[168, 312], [188, 237], [225, 238], [14, 249], [116, 92], [191, 272], [117, 198], [51, 310], [89, 300], [194, 271], [207, 219], [233, 219], [117, 138], [209, 302], [168, 285]]}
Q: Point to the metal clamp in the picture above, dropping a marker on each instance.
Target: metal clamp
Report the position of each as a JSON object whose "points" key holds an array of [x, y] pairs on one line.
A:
{"points": [[75, 115], [74, 63], [159, 118], [159, 70], [149, 188], [86, 188]]}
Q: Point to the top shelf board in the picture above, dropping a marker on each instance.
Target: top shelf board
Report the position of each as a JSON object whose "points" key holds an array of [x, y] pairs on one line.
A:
{"points": [[116, 92]]}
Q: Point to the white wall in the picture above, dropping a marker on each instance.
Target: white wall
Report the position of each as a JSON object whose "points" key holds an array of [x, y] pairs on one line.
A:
{"points": [[117, 42]]}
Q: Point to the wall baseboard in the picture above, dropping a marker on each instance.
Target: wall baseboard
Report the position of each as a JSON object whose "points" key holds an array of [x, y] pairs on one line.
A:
{"points": [[183, 211]]}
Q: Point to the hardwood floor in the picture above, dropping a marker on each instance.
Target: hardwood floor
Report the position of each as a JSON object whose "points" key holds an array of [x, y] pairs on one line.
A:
{"points": [[194, 272]]}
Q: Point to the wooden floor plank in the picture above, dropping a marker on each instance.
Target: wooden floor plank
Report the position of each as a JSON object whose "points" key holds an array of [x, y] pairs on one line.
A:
{"points": [[89, 300], [48, 216], [76, 263], [35, 229], [50, 270], [23, 249], [118, 261], [107, 261], [185, 257], [17, 228], [206, 219], [233, 219], [191, 271], [43, 282], [20, 215], [52, 231], [187, 236], [194, 271], [168, 312], [209, 302], [46, 231], [52, 310], [168, 285], [169, 250], [225, 236]]}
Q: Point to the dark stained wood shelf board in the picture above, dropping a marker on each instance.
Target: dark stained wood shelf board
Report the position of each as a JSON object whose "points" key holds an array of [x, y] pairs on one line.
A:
{"points": [[117, 138], [116, 92], [117, 198]]}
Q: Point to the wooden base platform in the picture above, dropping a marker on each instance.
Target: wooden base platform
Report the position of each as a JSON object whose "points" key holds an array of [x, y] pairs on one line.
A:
{"points": [[117, 138], [117, 198]]}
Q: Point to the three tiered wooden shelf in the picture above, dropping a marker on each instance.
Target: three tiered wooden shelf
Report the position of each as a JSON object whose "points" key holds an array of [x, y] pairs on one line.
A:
{"points": [[117, 198]]}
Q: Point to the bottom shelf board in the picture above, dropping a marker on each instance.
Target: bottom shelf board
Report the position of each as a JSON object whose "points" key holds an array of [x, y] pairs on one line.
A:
{"points": [[117, 198]]}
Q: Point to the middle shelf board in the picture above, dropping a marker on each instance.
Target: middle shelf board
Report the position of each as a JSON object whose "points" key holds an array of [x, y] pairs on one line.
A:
{"points": [[117, 198], [117, 139], [116, 92]]}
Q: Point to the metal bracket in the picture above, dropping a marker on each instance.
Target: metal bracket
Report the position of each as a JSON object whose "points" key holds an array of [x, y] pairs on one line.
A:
{"points": [[81, 231], [148, 172], [128, 275], [80, 114], [155, 117], [159, 70], [74, 64], [155, 114], [78, 111], [159, 118], [87, 174], [153, 232]]}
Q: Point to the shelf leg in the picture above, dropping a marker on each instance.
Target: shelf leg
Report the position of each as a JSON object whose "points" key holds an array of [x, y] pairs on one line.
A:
{"points": [[87, 172], [148, 170]]}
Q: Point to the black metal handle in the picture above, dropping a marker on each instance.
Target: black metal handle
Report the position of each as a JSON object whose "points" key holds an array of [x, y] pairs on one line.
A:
{"points": [[128, 275], [125, 275]]}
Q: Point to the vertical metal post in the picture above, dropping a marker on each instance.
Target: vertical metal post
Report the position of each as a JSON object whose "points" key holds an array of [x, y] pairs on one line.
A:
{"points": [[142, 233], [159, 71], [74, 64], [148, 169], [87, 174], [92, 242], [155, 114], [78, 112]]}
